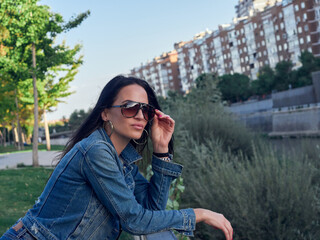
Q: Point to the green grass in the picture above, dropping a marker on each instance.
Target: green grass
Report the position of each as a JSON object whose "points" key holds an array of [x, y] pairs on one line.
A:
{"points": [[19, 188], [41, 147]]}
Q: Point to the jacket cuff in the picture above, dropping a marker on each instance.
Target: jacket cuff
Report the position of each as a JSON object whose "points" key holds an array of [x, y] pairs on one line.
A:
{"points": [[189, 222], [167, 168]]}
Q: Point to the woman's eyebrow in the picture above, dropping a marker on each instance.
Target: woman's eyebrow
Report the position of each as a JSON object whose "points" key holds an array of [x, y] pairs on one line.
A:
{"points": [[126, 101]]}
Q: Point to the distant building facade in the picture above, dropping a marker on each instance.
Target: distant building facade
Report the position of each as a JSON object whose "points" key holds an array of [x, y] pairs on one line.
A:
{"points": [[280, 31], [161, 73], [250, 7]]}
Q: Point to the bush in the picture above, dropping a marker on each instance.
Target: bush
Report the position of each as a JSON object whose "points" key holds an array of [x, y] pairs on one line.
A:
{"points": [[268, 197]]}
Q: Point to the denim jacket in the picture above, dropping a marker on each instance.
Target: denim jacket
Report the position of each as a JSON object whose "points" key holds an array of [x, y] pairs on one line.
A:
{"points": [[92, 194]]}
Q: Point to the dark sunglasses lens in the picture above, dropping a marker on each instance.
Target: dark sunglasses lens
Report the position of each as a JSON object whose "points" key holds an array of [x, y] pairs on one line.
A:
{"points": [[148, 112], [131, 110]]}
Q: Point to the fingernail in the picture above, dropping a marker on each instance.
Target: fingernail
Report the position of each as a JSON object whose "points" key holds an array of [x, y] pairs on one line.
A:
{"points": [[160, 115]]}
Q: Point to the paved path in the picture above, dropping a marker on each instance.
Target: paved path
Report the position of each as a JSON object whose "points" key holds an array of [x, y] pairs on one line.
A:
{"points": [[10, 160]]}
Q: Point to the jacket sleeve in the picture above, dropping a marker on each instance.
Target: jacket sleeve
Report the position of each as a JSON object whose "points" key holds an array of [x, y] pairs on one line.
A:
{"points": [[101, 170], [154, 195]]}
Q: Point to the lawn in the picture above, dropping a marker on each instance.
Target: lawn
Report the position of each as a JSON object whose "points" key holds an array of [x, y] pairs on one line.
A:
{"points": [[19, 188], [41, 147]]}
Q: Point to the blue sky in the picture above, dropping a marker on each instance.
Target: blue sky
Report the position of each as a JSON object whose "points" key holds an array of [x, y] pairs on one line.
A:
{"points": [[120, 35]]}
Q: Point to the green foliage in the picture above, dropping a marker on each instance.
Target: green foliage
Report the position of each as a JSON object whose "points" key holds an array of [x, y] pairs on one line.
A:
{"points": [[265, 82], [234, 87], [25, 26], [265, 193], [19, 188], [76, 118], [268, 197]]}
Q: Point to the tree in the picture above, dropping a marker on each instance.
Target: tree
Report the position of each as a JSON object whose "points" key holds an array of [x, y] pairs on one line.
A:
{"points": [[282, 76], [76, 118], [52, 92], [265, 82], [234, 87], [302, 76], [32, 29]]}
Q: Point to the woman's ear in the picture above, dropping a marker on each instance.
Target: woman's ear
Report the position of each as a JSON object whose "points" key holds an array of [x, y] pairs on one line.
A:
{"points": [[104, 115]]}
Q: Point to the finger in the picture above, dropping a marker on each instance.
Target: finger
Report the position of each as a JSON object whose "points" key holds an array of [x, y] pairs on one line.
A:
{"points": [[226, 233], [158, 112], [230, 229]]}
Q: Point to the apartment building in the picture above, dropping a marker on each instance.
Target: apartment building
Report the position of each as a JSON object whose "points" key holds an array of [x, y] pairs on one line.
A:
{"points": [[250, 7], [161, 73], [280, 32]]}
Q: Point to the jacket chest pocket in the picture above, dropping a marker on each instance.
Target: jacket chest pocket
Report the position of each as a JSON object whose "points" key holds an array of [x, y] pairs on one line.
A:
{"points": [[127, 169]]}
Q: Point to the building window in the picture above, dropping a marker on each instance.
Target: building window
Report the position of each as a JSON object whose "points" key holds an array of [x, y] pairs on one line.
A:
{"points": [[306, 28], [281, 58], [308, 38], [280, 47], [305, 17], [278, 37], [252, 65], [285, 46], [280, 15], [301, 41], [265, 53], [296, 8], [282, 25], [261, 33], [298, 19], [299, 29], [263, 43], [276, 27], [303, 5]]}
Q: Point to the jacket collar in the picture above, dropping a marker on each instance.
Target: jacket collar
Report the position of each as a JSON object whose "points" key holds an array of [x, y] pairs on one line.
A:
{"points": [[129, 153]]}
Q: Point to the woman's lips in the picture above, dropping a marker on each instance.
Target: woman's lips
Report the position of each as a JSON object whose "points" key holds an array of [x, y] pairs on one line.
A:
{"points": [[137, 126]]}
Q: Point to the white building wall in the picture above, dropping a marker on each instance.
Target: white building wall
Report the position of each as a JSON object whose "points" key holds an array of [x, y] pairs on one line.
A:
{"points": [[252, 49], [235, 57], [270, 41], [291, 33], [218, 56]]}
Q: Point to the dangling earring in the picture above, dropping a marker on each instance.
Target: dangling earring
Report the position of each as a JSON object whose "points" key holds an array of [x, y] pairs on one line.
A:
{"points": [[142, 143], [106, 127]]}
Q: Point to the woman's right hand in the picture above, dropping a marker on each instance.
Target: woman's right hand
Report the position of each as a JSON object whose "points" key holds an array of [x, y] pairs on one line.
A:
{"points": [[215, 220]]}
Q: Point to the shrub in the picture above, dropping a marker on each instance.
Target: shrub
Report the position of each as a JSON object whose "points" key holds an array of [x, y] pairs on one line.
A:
{"points": [[268, 197]]}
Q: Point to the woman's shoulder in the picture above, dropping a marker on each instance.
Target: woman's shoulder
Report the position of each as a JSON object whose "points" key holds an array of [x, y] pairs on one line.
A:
{"points": [[96, 141]]}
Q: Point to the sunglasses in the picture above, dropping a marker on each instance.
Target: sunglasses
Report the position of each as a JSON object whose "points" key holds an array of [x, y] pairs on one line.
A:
{"points": [[130, 109]]}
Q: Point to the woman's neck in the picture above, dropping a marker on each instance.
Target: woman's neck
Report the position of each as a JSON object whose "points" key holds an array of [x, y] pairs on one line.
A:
{"points": [[119, 143]]}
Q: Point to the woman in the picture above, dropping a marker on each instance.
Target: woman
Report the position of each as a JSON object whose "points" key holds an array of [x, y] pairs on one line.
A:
{"points": [[96, 189]]}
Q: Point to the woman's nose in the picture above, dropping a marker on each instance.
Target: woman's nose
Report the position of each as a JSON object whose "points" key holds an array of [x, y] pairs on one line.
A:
{"points": [[139, 114]]}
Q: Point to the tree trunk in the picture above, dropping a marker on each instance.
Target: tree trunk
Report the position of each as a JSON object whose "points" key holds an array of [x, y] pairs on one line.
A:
{"points": [[14, 134], [35, 157], [46, 129], [20, 143], [4, 136], [1, 137]]}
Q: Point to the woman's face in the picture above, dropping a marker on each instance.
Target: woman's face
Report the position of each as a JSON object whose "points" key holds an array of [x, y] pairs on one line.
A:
{"points": [[126, 129]]}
